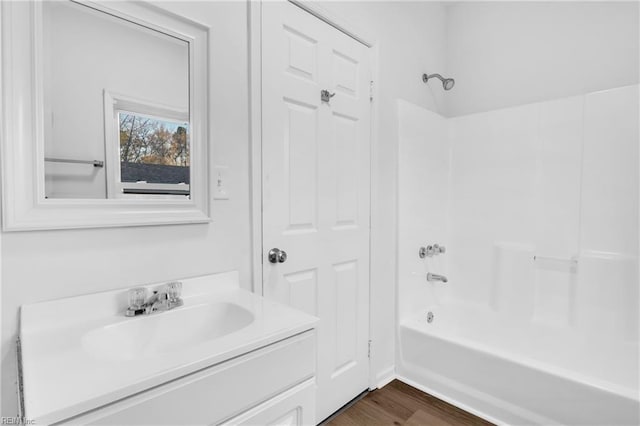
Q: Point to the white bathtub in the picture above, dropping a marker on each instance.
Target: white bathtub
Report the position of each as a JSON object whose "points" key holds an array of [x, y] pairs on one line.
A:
{"points": [[515, 373]]}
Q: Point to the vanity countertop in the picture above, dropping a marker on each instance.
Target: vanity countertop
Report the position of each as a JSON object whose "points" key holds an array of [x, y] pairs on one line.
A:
{"points": [[63, 375]]}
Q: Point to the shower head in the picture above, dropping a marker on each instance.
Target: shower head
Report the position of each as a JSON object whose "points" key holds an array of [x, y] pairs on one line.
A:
{"points": [[447, 83]]}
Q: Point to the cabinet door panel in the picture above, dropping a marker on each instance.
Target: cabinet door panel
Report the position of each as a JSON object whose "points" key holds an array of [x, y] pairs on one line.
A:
{"points": [[295, 407]]}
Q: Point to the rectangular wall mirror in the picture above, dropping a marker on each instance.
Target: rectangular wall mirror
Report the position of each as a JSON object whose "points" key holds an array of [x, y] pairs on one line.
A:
{"points": [[115, 105]]}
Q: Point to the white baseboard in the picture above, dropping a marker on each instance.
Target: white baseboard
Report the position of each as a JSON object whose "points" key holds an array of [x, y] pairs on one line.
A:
{"points": [[385, 377]]}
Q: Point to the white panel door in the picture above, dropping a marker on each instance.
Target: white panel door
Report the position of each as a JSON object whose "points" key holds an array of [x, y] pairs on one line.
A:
{"points": [[316, 189]]}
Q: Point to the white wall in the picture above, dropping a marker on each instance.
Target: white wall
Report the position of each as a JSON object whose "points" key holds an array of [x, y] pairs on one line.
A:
{"points": [[410, 39], [512, 53], [39, 266], [114, 55]]}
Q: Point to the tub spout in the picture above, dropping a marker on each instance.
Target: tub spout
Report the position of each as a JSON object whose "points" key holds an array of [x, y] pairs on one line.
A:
{"points": [[435, 277]]}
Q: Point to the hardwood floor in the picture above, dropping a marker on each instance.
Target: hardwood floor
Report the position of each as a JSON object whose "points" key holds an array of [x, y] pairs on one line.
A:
{"points": [[402, 405]]}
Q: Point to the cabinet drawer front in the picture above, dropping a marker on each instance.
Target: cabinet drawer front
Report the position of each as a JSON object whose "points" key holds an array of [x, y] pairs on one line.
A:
{"points": [[295, 407], [215, 393]]}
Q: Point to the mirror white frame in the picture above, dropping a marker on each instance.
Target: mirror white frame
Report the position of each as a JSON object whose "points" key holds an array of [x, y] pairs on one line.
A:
{"points": [[24, 206]]}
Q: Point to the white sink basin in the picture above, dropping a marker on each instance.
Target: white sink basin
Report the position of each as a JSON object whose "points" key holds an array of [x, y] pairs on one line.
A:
{"points": [[169, 331]]}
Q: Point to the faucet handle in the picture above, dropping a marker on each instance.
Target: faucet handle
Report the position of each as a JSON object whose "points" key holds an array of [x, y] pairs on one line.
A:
{"points": [[174, 290], [137, 297]]}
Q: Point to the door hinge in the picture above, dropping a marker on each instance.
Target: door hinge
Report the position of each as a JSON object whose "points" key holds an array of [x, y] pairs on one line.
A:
{"points": [[369, 350], [371, 91]]}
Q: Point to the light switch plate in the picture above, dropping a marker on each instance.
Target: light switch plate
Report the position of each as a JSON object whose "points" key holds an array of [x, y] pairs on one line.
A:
{"points": [[220, 183]]}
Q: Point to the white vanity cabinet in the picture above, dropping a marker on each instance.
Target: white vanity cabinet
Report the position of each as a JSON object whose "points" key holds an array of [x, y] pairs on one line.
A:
{"points": [[271, 385], [232, 357]]}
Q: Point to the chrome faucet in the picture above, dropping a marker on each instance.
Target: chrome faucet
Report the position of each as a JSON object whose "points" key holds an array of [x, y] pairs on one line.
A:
{"points": [[435, 277], [161, 300]]}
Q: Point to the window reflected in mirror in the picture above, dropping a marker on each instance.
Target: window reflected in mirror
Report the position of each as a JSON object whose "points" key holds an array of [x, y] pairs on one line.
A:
{"points": [[154, 155]]}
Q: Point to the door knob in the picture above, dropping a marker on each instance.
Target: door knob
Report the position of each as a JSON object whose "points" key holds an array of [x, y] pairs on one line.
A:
{"points": [[277, 256]]}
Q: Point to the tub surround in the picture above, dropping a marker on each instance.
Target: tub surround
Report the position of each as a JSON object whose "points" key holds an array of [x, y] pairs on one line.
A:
{"points": [[65, 374], [538, 208]]}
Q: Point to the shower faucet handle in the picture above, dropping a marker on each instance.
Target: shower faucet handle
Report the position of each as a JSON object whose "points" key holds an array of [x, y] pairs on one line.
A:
{"points": [[439, 249], [431, 250]]}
